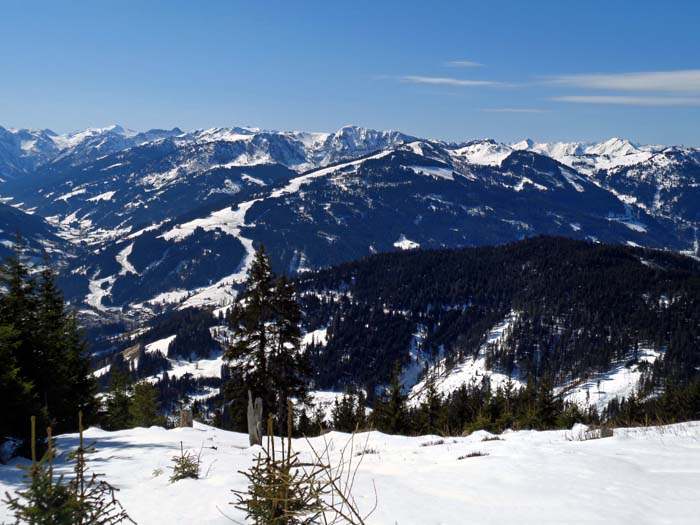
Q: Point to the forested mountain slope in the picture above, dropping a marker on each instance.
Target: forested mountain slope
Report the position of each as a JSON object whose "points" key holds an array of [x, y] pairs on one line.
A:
{"points": [[566, 310], [167, 217]]}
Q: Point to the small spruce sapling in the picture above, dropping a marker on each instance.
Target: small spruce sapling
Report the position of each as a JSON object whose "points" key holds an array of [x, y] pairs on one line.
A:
{"points": [[46, 500], [95, 498], [186, 465]]}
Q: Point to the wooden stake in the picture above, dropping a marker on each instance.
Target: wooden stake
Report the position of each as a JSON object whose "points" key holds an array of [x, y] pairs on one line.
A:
{"points": [[33, 441], [48, 433]]}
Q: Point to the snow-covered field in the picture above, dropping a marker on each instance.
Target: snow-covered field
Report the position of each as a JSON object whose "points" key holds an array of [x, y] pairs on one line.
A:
{"points": [[639, 476]]}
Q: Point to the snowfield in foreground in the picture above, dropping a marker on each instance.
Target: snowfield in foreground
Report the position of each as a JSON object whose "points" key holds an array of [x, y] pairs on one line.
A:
{"points": [[639, 476]]}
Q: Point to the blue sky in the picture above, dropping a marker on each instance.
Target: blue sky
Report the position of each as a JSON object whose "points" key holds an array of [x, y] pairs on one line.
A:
{"points": [[450, 70]]}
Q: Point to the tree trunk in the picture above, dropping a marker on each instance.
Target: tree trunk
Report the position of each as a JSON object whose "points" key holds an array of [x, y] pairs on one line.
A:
{"points": [[254, 420]]}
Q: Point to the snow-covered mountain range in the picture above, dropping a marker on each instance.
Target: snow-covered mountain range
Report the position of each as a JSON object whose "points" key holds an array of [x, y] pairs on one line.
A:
{"points": [[139, 219]]}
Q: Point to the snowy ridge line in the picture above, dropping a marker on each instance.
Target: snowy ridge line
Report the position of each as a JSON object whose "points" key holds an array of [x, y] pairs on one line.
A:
{"points": [[231, 221]]}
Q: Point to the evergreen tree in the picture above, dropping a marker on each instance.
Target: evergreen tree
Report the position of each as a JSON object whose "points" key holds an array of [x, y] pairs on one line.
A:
{"points": [[250, 320], [41, 348], [343, 414], [391, 415], [95, 502], [287, 365], [144, 406], [17, 394], [547, 406], [66, 385], [46, 500], [361, 411], [266, 343], [119, 402], [305, 426], [431, 409], [18, 307]]}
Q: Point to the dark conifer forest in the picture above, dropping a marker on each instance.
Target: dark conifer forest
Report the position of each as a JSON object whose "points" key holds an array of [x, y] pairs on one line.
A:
{"points": [[581, 306], [44, 365]]}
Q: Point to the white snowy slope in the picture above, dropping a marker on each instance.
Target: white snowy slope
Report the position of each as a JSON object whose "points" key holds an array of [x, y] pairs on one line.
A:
{"points": [[405, 244], [483, 152], [472, 369], [639, 476], [231, 221], [619, 382], [589, 157]]}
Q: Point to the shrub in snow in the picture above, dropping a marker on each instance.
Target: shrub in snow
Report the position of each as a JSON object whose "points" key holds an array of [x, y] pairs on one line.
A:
{"points": [[286, 491], [186, 465], [433, 443], [473, 455]]}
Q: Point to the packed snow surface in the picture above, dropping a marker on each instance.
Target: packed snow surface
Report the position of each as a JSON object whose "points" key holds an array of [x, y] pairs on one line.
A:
{"points": [[638, 476]]}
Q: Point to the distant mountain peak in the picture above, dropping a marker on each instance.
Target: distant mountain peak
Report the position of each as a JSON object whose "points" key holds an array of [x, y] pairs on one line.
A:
{"points": [[524, 144]]}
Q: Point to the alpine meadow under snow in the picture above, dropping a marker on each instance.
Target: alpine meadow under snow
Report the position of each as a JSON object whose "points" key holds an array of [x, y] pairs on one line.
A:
{"points": [[639, 476]]}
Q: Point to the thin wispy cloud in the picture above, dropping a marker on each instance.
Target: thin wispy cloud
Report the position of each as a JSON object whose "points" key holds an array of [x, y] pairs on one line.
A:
{"points": [[515, 110], [669, 81], [448, 81], [630, 101], [463, 63]]}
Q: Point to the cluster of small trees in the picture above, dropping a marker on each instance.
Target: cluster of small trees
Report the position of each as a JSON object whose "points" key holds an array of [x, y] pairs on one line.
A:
{"points": [[474, 406], [44, 370]]}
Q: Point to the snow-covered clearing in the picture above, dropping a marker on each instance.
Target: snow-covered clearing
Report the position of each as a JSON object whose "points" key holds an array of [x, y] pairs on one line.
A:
{"points": [[123, 260], [640, 476], [106, 196], [434, 171], [160, 346], [199, 368], [621, 381], [404, 243], [99, 289], [179, 367], [318, 336], [472, 369]]}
